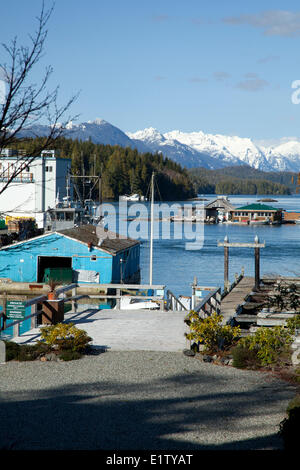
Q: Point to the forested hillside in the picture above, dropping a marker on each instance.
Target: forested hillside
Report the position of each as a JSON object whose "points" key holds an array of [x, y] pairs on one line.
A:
{"points": [[123, 170], [242, 180]]}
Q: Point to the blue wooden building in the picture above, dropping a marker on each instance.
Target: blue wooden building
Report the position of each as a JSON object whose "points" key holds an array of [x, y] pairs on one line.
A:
{"points": [[92, 254]]}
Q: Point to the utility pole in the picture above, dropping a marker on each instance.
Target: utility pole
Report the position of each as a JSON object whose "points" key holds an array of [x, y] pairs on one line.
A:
{"points": [[151, 229]]}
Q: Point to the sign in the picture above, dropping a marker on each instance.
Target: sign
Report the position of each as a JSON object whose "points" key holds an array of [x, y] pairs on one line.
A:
{"points": [[198, 293], [160, 292], [15, 309]]}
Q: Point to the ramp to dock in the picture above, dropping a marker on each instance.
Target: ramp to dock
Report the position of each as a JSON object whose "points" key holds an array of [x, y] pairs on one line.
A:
{"points": [[127, 330], [236, 297]]}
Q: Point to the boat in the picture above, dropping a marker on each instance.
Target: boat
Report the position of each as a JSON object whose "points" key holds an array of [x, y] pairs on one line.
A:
{"points": [[127, 303], [259, 222], [267, 200], [68, 214], [132, 197]]}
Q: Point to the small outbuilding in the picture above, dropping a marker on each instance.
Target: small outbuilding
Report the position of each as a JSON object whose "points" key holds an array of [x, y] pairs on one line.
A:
{"points": [[85, 254], [257, 213], [290, 216], [219, 209]]}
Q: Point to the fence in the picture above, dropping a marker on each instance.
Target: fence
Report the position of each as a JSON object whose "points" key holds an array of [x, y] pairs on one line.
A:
{"points": [[33, 303], [75, 296], [211, 302], [208, 304]]}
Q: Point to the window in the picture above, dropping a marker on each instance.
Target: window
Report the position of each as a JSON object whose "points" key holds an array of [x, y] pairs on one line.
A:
{"points": [[49, 168], [69, 215]]}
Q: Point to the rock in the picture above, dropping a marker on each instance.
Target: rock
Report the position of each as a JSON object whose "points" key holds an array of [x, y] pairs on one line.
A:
{"points": [[188, 352], [225, 361], [296, 357], [49, 357], [207, 358]]}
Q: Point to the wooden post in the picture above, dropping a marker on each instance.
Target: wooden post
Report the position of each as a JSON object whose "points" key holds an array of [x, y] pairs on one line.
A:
{"points": [[16, 330], [4, 312], [33, 310], [256, 256], [118, 299], [256, 245], [2, 352], [53, 312], [73, 302], [226, 263], [194, 285]]}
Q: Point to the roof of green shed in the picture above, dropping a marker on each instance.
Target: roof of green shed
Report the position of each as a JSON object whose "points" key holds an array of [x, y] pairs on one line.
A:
{"points": [[256, 207]]}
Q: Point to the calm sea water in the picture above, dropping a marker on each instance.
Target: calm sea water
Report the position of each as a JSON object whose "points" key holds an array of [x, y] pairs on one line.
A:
{"points": [[175, 266]]}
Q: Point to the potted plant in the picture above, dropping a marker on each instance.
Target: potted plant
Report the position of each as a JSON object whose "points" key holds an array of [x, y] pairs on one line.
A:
{"points": [[52, 285]]}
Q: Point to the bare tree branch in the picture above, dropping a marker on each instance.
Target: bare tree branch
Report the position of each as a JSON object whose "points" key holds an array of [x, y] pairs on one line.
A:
{"points": [[25, 103]]}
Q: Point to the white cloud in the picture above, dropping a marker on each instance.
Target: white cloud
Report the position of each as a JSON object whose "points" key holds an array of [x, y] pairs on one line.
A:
{"points": [[268, 58], [221, 76], [252, 84], [272, 22]]}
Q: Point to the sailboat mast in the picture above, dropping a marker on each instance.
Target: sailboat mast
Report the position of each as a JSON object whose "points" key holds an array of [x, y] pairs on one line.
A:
{"points": [[151, 229]]}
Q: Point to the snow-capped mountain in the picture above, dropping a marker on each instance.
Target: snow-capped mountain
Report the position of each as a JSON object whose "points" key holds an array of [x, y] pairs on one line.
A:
{"points": [[190, 149], [284, 157], [174, 149], [230, 150], [217, 151]]}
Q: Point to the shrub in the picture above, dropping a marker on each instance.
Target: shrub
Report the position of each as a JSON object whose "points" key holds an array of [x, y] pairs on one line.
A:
{"points": [[289, 427], [24, 352], [12, 350], [244, 358], [210, 332], [68, 355], [268, 343], [293, 324], [65, 336]]}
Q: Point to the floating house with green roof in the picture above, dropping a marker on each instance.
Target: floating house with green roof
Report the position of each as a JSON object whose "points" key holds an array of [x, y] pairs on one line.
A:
{"points": [[256, 214]]}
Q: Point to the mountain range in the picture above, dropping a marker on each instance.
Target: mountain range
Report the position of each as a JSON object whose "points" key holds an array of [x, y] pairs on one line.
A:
{"points": [[189, 149]]}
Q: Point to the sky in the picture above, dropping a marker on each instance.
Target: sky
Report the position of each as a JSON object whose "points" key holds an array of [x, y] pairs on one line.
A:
{"points": [[222, 67]]}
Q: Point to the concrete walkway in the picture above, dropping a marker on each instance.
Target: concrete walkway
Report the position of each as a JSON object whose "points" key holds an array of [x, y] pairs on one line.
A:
{"points": [[127, 330]]}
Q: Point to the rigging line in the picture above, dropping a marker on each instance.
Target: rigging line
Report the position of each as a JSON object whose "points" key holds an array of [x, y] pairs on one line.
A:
{"points": [[158, 190]]}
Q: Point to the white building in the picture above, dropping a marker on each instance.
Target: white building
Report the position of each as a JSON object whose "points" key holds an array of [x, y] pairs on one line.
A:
{"points": [[36, 188]]}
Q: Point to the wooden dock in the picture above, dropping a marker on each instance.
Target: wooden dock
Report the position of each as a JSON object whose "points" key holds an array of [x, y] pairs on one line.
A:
{"points": [[231, 302]]}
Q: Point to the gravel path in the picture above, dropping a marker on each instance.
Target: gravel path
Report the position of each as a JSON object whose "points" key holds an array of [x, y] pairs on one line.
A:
{"points": [[139, 400]]}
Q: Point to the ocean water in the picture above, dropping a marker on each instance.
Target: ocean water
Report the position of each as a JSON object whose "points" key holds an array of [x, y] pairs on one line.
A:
{"points": [[175, 264], [177, 259]]}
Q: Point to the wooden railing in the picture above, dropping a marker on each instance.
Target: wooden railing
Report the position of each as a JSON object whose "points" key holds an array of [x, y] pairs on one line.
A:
{"points": [[119, 293], [33, 315], [233, 284], [210, 303], [172, 303], [119, 288]]}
